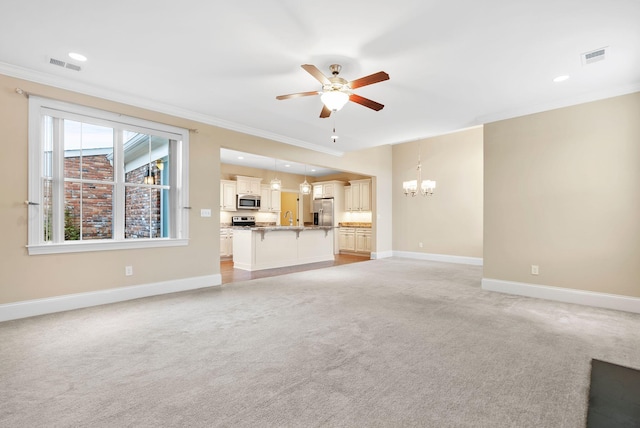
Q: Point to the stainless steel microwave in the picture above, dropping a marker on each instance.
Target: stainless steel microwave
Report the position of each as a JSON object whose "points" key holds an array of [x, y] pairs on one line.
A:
{"points": [[248, 202]]}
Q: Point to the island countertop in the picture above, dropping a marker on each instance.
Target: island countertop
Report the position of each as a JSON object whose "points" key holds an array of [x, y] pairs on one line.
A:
{"points": [[267, 247], [270, 228]]}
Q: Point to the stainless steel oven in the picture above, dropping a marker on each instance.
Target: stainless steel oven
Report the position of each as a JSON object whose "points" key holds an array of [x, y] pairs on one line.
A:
{"points": [[248, 202]]}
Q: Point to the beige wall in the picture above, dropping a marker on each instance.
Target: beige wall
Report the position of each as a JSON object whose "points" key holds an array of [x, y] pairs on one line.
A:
{"points": [[450, 221], [24, 277], [289, 181], [562, 191]]}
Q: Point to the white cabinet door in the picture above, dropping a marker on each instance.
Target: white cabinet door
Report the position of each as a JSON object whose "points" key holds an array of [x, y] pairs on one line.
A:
{"points": [[363, 240], [265, 198], [248, 185], [347, 199], [270, 200], [361, 195], [347, 239], [276, 200], [365, 196], [355, 197], [228, 195], [327, 191], [254, 187], [244, 187], [226, 242], [317, 191], [223, 245]]}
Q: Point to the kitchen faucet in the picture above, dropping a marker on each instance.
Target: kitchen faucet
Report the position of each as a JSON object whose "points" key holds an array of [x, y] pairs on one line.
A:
{"points": [[290, 217]]}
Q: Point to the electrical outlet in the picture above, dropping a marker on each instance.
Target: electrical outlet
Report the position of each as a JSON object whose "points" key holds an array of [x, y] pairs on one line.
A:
{"points": [[128, 270], [205, 212], [534, 270], [420, 244]]}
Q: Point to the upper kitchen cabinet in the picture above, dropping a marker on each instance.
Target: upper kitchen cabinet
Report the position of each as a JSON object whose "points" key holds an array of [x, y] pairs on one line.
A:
{"points": [[228, 195], [270, 200], [329, 189], [248, 185], [359, 196]]}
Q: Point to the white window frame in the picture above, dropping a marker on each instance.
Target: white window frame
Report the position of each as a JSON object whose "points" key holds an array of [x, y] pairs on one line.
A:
{"points": [[179, 181]]}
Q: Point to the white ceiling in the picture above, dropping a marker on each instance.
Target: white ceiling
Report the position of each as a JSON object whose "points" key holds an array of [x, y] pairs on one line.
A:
{"points": [[453, 64], [234, 157]]}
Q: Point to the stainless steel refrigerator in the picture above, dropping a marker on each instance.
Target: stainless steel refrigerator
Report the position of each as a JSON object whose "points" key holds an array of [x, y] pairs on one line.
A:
{"points": [[323, 214]]}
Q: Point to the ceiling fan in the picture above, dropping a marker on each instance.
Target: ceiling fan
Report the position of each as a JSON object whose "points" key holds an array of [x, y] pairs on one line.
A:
{"points": [[336, 91]]}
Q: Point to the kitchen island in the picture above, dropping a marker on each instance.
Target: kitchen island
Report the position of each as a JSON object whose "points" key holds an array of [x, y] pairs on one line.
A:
{"points": [[257, 248]]}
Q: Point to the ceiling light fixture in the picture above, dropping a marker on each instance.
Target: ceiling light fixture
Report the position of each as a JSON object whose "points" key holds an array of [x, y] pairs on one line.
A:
{"points": [[426, 186], [77, 56], [334, 99], [561, 78], [276, 184], [305, 187]]}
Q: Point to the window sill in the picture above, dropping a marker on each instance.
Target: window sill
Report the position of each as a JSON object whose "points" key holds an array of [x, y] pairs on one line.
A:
{"points": [[81, 247]]}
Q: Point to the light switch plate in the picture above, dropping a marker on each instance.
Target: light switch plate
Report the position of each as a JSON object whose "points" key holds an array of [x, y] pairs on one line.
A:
{"points": [[205, 212]]}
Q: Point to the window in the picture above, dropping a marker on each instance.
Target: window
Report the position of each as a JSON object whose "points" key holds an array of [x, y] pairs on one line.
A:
{"points": [[99, 180]]}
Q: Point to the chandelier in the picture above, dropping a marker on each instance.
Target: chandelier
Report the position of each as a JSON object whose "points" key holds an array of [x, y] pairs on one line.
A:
{"points": [[424, 187]]}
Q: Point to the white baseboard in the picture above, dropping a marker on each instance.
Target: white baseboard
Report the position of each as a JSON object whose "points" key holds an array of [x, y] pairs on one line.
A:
{"points": [[476, 261], [567, 295], [381, 255], [30, 308]]}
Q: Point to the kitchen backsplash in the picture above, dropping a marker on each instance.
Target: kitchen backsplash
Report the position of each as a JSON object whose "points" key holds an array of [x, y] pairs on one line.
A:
{"points": [[261, 217], [356, 217]]}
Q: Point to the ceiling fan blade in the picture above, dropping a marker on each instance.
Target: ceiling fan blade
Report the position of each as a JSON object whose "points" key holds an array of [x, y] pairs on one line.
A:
{"points": [[366, 102], [313, 70], [299, 94], [326, 112], [369, 80]]}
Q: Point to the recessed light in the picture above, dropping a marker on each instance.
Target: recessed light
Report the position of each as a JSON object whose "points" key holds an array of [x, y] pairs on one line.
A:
{"points": [[287, 166], [561, 78], [313, 170], [77, 56], [241, 157]]}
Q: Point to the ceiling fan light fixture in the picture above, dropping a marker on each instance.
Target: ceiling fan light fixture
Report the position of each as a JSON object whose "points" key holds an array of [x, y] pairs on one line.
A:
{"points": [[334, 99]]}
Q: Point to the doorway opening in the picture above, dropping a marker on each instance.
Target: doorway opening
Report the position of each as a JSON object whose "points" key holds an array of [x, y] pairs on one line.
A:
{"points": [[289, 209]]}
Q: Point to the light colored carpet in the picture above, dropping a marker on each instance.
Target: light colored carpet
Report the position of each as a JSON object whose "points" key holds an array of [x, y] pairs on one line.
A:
{"points": [[382, 343]]}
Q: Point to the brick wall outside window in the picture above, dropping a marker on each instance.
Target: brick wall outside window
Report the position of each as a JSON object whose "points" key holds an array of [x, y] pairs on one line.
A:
{"points": [[142, 214]]}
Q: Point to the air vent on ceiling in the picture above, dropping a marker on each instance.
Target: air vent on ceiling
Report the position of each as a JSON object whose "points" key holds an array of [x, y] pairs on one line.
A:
{"points": [[64, 64], [594, 56]]}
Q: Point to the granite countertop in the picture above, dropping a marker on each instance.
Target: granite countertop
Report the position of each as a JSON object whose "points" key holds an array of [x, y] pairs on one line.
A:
{"points": [[355, 224], [259, 228]]}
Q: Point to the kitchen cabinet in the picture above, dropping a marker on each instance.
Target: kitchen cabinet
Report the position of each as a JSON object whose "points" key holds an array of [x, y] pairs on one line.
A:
{"points": [[347, 198], [363, 240], [248, 185], [360, 195], [270, 200], [226, 242], [326, 189], [354, 239], [347, 239], [228, 195], [275, 247]]}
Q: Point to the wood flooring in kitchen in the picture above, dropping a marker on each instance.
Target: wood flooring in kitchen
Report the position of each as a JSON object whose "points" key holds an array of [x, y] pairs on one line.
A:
{"points": [[229, 274]]}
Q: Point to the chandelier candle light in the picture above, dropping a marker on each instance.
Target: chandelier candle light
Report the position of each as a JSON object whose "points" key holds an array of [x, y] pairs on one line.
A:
{"points": [[426, 186]]}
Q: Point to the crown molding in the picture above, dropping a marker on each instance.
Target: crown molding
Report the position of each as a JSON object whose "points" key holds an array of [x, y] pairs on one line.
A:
{"points": [[111, 95]]}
